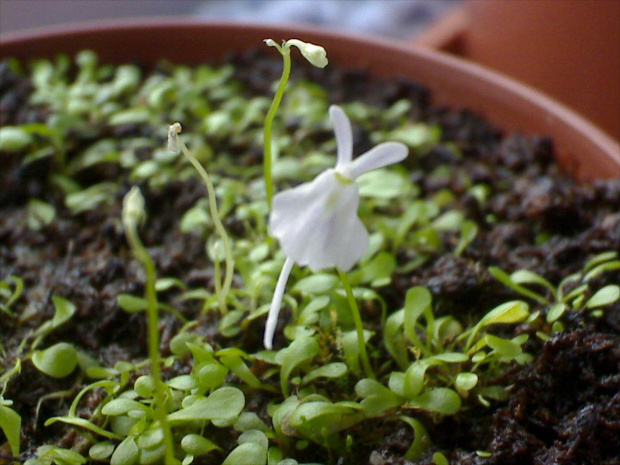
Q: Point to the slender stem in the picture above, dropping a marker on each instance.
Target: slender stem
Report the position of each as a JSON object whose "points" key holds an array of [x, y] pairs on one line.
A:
{"points": [[153, 339], [217, 270], [267, 157], [220, 289], [357, 319]]}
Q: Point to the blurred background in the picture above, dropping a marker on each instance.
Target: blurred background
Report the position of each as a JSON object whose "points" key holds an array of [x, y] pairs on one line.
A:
{"points": [[569, 49], [395, 18]]}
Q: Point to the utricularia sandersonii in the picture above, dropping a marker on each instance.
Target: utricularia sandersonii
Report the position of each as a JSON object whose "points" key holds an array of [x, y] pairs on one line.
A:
{"points": [[317, 222]]}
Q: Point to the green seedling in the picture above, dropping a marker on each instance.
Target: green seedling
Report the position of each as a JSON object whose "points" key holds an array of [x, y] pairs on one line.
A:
{"points": [[175, 144], [14, 139], [56, 361], [63, 311], [53, 455], [330, 376], [573, 293], [133, 215], [11, 290], [40, 214], [10, 424]]}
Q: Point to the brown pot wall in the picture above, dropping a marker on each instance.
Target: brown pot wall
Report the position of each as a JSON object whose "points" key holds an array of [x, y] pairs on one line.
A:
{"points": [[585, 151], [569, 49]]}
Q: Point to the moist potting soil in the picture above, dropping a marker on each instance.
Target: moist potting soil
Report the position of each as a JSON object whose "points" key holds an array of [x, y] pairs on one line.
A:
{"points": [[92, 132]]}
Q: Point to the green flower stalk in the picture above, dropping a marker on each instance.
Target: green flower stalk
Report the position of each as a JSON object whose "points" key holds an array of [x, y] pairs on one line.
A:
{"points": [[133, 214], [317, 56], [175, 144], [357, 320]]}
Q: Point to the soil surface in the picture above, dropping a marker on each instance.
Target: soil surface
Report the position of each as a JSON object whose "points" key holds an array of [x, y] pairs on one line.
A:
{"points": [[564, 407]]}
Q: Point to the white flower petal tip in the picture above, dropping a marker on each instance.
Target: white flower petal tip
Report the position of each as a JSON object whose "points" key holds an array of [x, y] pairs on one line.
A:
{"points": [[384, 154], [344, 135]]}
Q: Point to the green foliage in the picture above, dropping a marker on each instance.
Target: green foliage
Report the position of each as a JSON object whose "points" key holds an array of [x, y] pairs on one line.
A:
{"points": [[573, 294], [196, 400], [300, 351], [52, 455], [14, 139], [63, 311], [40, 214], [443, 373], [195, 445], [252, 449], [57, 361], [421, 439], [10, 423], [427, 364], [91, 197], [225, 403], [440, 459], [11, 290]]}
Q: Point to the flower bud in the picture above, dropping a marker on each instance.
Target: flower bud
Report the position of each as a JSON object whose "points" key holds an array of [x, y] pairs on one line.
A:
{"points": [[270, 42], [133, 208], [173, 137], [315, 54]]}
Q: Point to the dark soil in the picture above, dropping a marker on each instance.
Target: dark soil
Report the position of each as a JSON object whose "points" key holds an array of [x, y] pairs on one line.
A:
{"points": [[564, 408]]}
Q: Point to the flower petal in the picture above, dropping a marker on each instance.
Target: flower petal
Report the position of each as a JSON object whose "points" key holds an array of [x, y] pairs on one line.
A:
{"points": [[344, 135], [317, 223], [382, 155]]}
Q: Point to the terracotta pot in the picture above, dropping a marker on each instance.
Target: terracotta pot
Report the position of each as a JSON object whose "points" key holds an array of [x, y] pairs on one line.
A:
{"points": [[582, 149], [568, 49]]}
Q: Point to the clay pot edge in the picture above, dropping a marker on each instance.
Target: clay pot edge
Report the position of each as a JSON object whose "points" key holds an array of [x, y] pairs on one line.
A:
{"points": [[497, 99]]}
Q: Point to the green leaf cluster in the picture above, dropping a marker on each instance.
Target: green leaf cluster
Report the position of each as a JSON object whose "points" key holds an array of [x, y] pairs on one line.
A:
{"points": [[429, 365], [574, 293]]}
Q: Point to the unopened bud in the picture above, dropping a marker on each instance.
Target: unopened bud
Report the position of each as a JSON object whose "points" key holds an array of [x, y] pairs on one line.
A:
{"points": [[270, 42], [133, 208], [173, 137], [315, 54]]}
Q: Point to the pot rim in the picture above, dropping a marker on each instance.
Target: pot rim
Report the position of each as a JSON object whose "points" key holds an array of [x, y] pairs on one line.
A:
{"points": [[557, 115]]}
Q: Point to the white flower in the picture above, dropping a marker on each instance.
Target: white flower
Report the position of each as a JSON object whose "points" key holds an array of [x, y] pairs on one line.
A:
{"points": [[317, 222]]}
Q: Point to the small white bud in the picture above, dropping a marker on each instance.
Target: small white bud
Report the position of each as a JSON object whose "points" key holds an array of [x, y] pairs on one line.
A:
{"points": [[133, 208], [173, 137], [315, 54], [270, 42]]}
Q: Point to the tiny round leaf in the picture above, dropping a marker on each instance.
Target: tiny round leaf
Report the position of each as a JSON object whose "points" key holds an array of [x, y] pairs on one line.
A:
{"points": [[56, 361]]}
